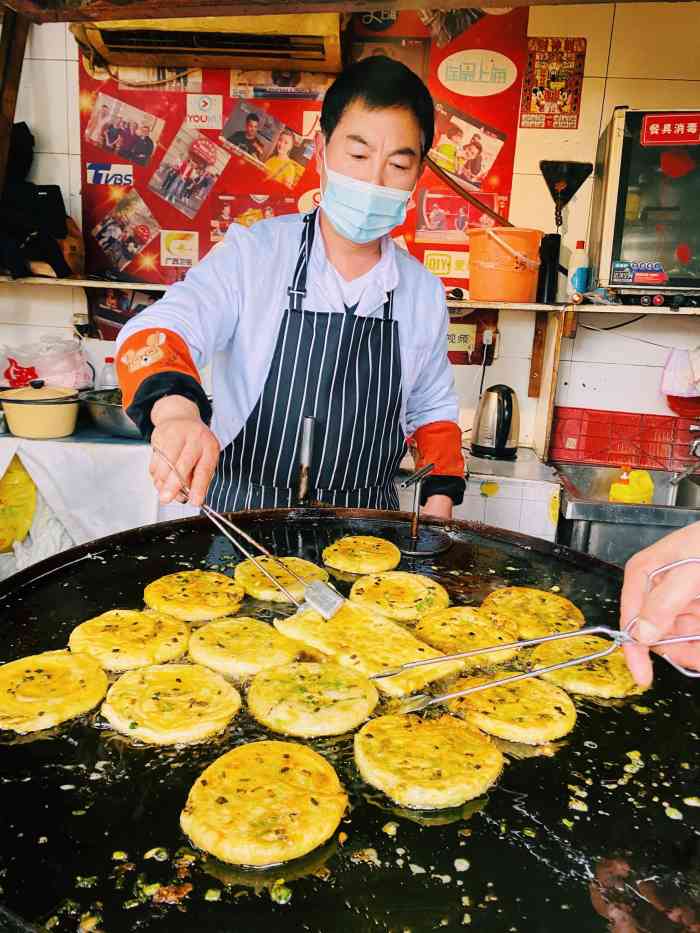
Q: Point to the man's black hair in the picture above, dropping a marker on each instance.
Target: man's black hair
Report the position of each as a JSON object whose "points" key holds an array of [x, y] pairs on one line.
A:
{"points": [[379, 82], [252, 117]]}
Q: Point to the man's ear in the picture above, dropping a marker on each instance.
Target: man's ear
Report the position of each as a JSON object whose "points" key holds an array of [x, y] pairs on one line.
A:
{"points": [[319, 145]]}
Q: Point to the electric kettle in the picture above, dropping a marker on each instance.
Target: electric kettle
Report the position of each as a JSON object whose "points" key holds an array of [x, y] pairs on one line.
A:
{"points": [[496, 427]]}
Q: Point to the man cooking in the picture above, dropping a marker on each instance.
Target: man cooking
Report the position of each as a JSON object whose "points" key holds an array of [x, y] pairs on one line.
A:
{"points": [[310, 315]]}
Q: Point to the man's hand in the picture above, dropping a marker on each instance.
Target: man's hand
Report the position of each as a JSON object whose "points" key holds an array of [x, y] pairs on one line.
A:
{"points": [[671, 607], [438, 507], [188, 443]]}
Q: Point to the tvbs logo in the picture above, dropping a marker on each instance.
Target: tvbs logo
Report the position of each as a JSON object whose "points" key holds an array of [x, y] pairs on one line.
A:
{"points": [[106, 173]]}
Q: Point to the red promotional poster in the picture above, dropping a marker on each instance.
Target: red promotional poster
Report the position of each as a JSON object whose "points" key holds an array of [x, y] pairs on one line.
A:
{"points": [[172, 157], [553, 82], [167, 165]]}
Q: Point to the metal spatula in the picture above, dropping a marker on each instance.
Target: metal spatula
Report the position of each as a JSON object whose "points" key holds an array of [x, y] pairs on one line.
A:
{"points": [[318, 595]]}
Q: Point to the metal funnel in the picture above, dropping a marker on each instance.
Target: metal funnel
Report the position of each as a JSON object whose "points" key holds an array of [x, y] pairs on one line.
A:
{"points": [[563, 180]]}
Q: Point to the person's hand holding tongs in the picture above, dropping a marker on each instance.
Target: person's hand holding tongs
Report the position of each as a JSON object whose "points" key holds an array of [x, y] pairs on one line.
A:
{"points": [[665, 602]]}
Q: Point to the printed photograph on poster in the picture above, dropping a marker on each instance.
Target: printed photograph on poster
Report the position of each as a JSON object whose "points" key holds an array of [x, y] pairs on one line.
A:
{"points": [[553, 82], [444, 217], [160, 78], [109, 309], [189, 170], [446, 25], [268, 143], [245, 209], [464, 146], [414, 53], [179, 249], [124, 130], [290, 85], [126, 230]]}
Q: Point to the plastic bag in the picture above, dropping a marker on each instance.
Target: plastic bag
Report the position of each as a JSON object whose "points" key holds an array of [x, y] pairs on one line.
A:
{"points": [[58, 361], [679, 377]]}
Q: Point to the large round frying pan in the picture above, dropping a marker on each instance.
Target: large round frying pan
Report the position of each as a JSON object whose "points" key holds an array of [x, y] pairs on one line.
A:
{"points": [[594, 834]]}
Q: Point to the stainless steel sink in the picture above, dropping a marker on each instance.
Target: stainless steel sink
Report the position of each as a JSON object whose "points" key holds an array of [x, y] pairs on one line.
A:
{"points": [[614, 531]]}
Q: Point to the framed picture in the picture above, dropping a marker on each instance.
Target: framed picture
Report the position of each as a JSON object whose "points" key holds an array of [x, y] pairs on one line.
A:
{"points": [[279, 152], [414, 53], [464, 146], [123, 130], [189, 170], [126, 230]]}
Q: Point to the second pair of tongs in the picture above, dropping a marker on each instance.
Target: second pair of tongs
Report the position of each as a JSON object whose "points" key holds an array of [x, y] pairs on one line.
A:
{"points": [[619, 637], [318, 595]]}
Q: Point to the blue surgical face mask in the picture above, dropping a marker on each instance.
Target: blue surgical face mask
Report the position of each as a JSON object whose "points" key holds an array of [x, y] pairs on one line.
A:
{"points": [[359, 210]]}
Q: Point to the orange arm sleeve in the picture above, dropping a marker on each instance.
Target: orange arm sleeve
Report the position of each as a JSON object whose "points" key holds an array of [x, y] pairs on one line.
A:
{"points": [[149, 352], [440, 442]]}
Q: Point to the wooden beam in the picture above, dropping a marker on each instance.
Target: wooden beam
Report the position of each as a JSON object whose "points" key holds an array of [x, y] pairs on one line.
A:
{"points": [[570, 323], [13, 41], [537, 358], [80, 11], [550, 370]]}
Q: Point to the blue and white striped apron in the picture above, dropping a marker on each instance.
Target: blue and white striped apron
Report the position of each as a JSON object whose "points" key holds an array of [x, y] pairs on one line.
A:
{"points": [[345, 371]]}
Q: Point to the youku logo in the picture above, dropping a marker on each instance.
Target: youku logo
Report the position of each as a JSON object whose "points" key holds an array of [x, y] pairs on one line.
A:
{"points": [[107, 173]]}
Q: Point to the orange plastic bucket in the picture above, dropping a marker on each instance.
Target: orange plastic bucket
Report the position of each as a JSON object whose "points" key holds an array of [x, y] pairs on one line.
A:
{"points": [[504, 264]]}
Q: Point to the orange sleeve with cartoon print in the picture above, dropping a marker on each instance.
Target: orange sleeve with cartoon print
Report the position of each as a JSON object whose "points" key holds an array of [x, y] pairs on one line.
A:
{"points": [[148, 353]]}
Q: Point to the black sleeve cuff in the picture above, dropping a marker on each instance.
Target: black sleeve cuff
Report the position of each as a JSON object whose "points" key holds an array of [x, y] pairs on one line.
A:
{"points": [[452, 486], [158, 386]]}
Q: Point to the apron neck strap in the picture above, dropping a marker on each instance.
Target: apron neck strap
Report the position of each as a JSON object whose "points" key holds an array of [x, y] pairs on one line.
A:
{"points": [[389, 307], [297, 290]]}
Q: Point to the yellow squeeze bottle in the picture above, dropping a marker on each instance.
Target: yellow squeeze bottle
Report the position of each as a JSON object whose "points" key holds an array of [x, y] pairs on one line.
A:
{"points": [[633, 487]]}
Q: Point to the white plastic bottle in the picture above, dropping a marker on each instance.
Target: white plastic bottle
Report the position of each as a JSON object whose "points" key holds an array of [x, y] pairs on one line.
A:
{"points": [[108, 375], [579, 270]]}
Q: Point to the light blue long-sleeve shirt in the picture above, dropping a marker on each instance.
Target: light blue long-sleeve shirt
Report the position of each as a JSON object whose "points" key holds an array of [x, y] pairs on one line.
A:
{"points": [[229, 308]]}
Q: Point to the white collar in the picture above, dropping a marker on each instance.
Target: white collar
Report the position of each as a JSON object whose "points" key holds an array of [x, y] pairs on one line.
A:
{"points": [[321, 277]]}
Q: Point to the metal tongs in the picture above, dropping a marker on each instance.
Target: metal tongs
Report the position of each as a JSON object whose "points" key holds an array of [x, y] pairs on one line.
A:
{"points": [[318, 595], [619, 637]]}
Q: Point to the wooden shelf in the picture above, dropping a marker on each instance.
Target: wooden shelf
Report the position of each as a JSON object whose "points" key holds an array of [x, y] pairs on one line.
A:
{"points": [[84, 283], [633, 310], [469, 304]]}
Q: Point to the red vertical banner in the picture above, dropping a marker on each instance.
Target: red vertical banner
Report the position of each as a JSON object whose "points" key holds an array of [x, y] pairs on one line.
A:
{"points": [[473, 62]]}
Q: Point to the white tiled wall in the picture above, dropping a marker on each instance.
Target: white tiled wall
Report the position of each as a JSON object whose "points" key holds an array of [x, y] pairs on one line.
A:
{"points": [[48, 101], [516, 505], [641, 55]]}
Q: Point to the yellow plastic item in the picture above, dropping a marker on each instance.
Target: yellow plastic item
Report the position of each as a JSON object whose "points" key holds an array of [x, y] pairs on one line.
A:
{"points": [[17, 504], [632, 486]]}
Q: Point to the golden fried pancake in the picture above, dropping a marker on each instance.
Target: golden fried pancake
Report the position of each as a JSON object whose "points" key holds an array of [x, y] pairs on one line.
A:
{"points": [[535, 612], [194, 595], [604, 677], [427, 764], [256, 584], [311, 699], [529, 711], [171, 704], [122, 638], [463, 628], [362, 554], [264, 803], [43, 690], [370, 644], [399, 595], [241, 647]]}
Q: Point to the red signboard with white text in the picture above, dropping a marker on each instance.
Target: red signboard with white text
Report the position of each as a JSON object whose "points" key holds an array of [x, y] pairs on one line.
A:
{"points": [[671, 129]]}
